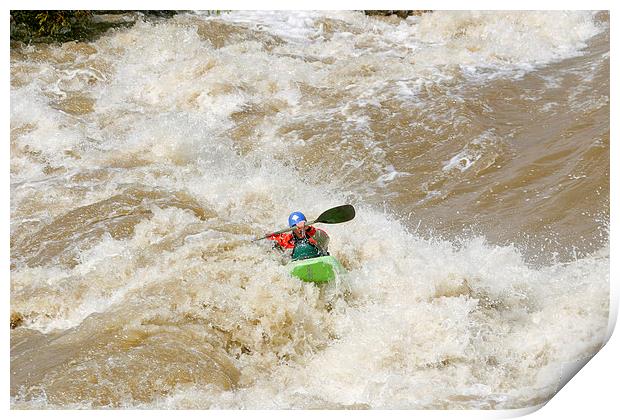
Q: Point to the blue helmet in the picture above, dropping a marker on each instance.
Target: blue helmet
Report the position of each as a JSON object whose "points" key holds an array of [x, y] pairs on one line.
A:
{"points": [[295, 218]]}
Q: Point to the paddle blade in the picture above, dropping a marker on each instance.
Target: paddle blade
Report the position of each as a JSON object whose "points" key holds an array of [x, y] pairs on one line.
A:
{"points": [[338, 214]]}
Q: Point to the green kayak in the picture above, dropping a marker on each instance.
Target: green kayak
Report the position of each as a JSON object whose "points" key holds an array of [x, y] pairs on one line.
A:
{"points": [[317, 270]]}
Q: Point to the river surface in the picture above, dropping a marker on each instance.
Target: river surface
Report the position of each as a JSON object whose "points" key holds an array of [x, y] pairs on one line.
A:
{"points": [[474, 146]]}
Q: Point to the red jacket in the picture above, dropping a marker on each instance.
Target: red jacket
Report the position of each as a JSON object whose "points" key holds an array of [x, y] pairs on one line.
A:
{"points": [[287, 241]]}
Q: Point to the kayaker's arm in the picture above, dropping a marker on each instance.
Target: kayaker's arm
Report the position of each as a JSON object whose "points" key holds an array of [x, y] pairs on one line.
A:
{"points": [[283, 240], [338, 214]]}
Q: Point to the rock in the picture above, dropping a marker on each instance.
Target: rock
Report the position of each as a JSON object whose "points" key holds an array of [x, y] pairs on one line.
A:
{"points": [[17, 319], [403, 14]]}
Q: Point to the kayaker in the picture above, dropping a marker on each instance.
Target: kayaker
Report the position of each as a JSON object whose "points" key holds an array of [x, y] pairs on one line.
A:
{"points": [[301, 240]]}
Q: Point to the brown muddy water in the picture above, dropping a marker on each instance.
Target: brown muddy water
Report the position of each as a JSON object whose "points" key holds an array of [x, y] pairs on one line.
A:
{"points": [[474, 146]]}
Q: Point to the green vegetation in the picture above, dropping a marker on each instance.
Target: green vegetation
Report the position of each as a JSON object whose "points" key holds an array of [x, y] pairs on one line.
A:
{"points": [[44, 23], [36, 26], [49, 26]]}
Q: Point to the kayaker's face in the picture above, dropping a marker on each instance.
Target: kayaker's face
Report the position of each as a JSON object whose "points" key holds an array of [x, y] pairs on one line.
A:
{"points": [[300, 230]]}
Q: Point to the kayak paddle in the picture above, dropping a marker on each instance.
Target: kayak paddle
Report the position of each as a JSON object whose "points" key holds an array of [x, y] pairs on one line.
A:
{"points": [[334, 215]]}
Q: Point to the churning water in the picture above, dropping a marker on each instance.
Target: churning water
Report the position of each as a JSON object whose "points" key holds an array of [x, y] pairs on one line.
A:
{"points": [[474, 146]]}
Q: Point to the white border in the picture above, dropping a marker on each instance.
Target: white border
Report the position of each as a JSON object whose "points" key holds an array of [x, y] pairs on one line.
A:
{"points": [[592, 392], [316, 5]]}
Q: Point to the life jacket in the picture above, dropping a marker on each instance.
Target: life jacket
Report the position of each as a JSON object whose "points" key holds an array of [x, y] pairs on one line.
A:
{"points": [[288, 240], [306, 247], [303, 248]]}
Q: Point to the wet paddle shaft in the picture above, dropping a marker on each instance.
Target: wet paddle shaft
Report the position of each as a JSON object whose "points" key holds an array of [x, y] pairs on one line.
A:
{"points": [[334, 215]]}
